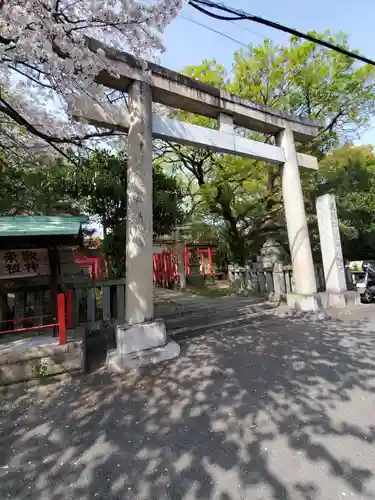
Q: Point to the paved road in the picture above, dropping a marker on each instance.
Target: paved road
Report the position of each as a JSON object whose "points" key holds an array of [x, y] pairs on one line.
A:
{"points": [[191, 316], [268, 409]]}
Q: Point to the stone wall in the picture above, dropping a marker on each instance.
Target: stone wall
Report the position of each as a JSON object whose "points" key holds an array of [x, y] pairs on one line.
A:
{"points": [[18, 365]]}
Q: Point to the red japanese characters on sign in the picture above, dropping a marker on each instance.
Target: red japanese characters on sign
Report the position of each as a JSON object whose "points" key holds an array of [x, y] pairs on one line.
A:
{"points": [[23, 263]]}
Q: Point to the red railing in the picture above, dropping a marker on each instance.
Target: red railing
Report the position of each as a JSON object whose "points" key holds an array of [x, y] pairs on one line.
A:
{"points": [[61, 317], [60, 324]]}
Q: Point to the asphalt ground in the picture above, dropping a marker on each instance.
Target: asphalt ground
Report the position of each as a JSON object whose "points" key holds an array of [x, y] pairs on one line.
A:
{"points": [[263, 408]]}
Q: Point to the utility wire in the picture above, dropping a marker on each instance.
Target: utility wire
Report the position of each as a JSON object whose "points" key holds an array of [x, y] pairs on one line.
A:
{"points": [[220, 32], [212, 29], [247, 29], [239, 15]]}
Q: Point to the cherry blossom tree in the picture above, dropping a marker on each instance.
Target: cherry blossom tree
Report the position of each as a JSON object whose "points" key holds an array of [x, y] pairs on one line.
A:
{"points": [[45, 61]]}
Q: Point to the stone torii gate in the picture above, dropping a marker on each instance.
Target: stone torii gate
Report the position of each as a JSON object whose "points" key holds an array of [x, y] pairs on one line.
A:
{"points": [[143, 340]]}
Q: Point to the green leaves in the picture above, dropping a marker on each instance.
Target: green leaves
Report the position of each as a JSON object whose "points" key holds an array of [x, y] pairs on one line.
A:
{"points": [[102, 181], [309, 81], [209, 71], [97, 187], [301, 78], [349, 173], [259, 75]]}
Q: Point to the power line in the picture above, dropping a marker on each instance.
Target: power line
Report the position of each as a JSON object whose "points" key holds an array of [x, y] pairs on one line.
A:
{"points": [[247, 29], [239, 15], [212, 29], [220, 32]]}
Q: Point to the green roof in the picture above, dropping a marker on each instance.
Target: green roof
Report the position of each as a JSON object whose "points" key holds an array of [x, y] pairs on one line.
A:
{"points": [[40, 225]]}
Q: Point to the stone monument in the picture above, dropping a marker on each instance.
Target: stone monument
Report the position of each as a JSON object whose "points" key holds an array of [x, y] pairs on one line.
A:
{"points": [[195, 277], [333, 262]]}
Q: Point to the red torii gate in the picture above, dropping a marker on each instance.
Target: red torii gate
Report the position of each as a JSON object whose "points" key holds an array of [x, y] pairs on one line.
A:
{"points": [[166, 271]]}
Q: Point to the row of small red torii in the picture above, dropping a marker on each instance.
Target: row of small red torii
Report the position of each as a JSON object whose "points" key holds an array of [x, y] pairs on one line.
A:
{"points": [[166, 270], [165, 264]]}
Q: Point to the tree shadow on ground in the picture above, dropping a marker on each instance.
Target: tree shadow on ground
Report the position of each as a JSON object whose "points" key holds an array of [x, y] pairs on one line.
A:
{"points": [[283, 409]]}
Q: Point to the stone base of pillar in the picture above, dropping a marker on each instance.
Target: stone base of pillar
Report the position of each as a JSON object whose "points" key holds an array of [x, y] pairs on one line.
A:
{"points": [[303, 303], [322, 300], [343, 299], [141, 345]]}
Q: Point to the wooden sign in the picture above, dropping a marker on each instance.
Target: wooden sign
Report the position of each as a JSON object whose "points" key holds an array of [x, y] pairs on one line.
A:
{"points": [[24, 263]]}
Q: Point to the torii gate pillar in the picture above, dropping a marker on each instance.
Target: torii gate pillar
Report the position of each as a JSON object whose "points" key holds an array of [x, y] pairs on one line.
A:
{"points": [[296, 222], [142, 340], [139, 293]]}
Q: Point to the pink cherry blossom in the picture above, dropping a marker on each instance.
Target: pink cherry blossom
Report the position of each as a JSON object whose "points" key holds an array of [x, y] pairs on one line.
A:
{"points": [[45, 61]]}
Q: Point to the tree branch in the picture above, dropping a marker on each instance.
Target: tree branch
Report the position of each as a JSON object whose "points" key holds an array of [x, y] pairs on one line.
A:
{"points": [[8, 110], [38, 82], [332, 123]]}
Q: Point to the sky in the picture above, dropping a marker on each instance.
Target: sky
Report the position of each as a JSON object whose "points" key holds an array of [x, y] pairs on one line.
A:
{"points": [[188, 44]]}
